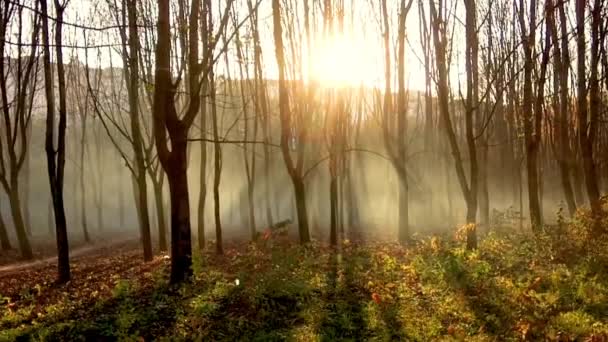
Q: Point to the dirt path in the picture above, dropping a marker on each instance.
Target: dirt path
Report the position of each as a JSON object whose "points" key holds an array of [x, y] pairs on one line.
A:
{"points": [[75, 254]]}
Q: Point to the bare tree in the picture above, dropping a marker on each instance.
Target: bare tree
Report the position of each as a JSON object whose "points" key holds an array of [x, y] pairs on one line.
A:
{"points": [[17, 96], [131, 59], [561, 63], [169, 127], [440, 40], [588, 113], [56, 156], [294, 168]]}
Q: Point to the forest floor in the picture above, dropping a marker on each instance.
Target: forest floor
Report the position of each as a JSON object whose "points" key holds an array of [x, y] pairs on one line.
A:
{"points": [[515, 286], [9, 265], [45, 249]]}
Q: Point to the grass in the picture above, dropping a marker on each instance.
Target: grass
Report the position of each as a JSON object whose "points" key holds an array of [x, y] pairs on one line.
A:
{"points": [[514, 287]]}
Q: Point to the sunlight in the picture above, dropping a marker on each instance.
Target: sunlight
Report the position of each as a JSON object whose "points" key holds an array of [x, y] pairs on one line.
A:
{"points": [[343, 61]]}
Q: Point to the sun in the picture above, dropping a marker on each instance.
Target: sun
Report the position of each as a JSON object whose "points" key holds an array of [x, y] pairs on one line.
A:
{"points": [[341, 62]]}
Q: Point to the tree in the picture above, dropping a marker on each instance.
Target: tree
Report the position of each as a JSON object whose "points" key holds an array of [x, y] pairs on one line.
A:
{"points": [[396, 142], [440, 40], [166, 120], [56, 157], [588, 113], [17, 96], [561, 66], [294, 168], [131, 59], [202, 196], [169, 128], [531, 116]]}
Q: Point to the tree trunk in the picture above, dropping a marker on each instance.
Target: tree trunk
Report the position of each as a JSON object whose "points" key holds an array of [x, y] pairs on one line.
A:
{"points": [[5, 243], [15, 204], [83, 193], [132, 72], [469, 191], [160, 215], [286, 129], [333, 204], [302, 212], [401, 136], [181, 249], [26, 184], [484, 193], [562, 66], [166, 121], [142, 199], [404, 228], [217, 170], [530, 138], [99, 181], [56, 158], [587, 120], [202, 194]]}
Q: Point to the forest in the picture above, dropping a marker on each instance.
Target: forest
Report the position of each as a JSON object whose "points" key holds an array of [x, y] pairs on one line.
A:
{"points": [[304, 170]]}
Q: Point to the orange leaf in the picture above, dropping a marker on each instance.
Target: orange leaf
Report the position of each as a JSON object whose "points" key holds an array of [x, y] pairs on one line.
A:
{"points": [[376, 298]]}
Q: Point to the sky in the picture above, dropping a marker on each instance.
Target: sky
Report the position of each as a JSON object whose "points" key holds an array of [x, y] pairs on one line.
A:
{"points": [[355, 58]]}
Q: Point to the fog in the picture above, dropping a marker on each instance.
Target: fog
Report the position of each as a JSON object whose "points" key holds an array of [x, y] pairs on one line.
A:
{"points": [[368, 186]]}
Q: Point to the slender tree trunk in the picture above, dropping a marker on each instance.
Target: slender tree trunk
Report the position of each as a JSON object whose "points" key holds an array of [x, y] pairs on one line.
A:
{"points": [[333, 204], [301, 209], [160, 214], [472, 110], [50, 217], [401, 136], [202, 195], [15, 204], [83, 190], [121, 198], [100, 180], [469, 191], [286, 127], [26, 184], [166, 122], [562, 66], [181, 249], [531, 141], [484, 193], [217, 170], [587, 124], [56, 159], [5, 243], [132, 73]]}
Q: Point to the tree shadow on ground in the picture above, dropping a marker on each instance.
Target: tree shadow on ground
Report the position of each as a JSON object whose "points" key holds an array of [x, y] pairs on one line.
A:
{"points": [[133, 313], [483, 297], [347, 313], [344, 318]]}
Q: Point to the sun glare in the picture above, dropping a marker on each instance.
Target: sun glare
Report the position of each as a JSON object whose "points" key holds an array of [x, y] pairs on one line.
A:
{"points": [[341, 62]]}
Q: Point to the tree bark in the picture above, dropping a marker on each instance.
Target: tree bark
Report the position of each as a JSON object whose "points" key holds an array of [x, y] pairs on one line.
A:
{"points": [[131, 58], [530, 135], [587, 119], [5, 243], [167, 122], [562, 69], [439, 37], [56, 159], [294, 171], [181, 249], [160, 213]]}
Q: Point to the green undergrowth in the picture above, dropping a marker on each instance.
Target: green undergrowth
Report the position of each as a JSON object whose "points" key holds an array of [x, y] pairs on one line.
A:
{"points": [[515, 286]]}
